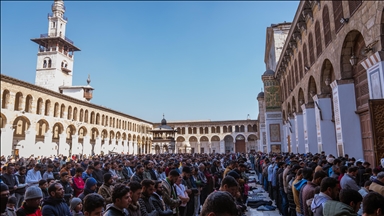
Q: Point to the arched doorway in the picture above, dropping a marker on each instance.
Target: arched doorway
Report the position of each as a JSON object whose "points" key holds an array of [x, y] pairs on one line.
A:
{"points": [[157, 149], [21, 124], [228, 143], [252, 143], [215, 144], [240, 144], [353, 48]]}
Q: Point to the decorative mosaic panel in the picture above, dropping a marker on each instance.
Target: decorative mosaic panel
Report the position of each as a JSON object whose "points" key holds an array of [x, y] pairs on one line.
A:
{"points": [[274, 130]]}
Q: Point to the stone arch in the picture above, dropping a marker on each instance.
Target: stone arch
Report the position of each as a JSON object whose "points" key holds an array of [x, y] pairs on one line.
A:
{"points": [[104, 134], [312, 89], [5, 99], [39, 106], [301, 69], [75, 114], [180, 139], [71, 130], [18, 101], [327, 77], [98, 119], [242, 128], [28, 104], [301, 99], [3, 120], [124, 136], [47, 107], [129, 137], [69, 113], [134, 137], [204, 139], [311, 49], [81, 118], [192, 139], [237, 128], [305, 55], [42, 127], [326, 26], [352, 39], [215, 138], [56, 110], [118, 135], [20, 124], [112, 135], [62, 111], [57, 129], [94, 134], [92, 121], [319, 44], [206, 130], [228, 143], [82, 132]]}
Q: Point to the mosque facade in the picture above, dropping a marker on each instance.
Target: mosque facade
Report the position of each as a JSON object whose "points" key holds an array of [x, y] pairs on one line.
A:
{"points": [[53, 117], [325, 85]]}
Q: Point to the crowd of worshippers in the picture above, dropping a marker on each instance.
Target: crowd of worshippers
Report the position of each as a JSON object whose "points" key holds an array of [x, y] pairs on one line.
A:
{"points": [[141, 185], [189, 185], [320, 184]]}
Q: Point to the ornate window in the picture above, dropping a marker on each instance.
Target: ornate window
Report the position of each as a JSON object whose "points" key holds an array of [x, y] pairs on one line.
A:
{"points": [[311, 51], [337, 14], [353, 6]]}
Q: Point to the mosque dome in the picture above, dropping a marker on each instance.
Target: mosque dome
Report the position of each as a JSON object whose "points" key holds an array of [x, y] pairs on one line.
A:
{"points": [[269, 73]]}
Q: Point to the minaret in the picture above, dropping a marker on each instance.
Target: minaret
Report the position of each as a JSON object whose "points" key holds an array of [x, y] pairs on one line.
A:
{"points": [[55, 54]]}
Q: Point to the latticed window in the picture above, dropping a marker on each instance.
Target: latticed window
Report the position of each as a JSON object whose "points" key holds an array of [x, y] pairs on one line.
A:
{"points": [[311, 51], [326, 26], [319, 48], [337, 14], [353, 5]]}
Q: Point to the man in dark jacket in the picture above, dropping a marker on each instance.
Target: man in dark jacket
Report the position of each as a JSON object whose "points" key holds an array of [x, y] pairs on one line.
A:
{"points": [[139, 174], [68, 190], [146, 206], [9, 179], [157, 200], [31, 205], [98, 173], [55, 205], [21, 185], [89, 188], [121, 200]]}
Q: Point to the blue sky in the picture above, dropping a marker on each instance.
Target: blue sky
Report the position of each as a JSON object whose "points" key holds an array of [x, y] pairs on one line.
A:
{"points": [[188, 60]]}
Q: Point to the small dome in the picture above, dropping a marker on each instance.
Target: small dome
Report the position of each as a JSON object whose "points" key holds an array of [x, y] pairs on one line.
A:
{"points": [[269, 73], [260, 95], [163, 122]]}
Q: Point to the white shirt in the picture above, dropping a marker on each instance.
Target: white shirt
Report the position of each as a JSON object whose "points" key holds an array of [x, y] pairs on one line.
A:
{"points": [[180, 190], [33, 177]]}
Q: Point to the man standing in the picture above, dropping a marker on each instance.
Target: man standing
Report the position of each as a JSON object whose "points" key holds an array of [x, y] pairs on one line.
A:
{"points": [[158, 201], [98, 173], [34, 176], [308, 190], [169, 192], [55, 204], [21, 185], [146, 206], [9, 179], [348, 180], [328, 191], [127, 171]]}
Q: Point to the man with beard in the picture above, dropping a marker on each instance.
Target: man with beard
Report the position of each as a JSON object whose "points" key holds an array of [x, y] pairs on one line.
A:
{"points": [[65, 182], [9, 179], [169, 192], [191, 189], [148, 172], [21, 185], [106, 189], [127, 171], [328, 191], [98, 173], [158, 201], [31, 205], [139, 174], [55, 205], [121, 200], [146, 206]]}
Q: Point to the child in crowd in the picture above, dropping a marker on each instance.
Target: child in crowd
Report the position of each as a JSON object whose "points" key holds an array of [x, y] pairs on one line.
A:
{"points": [[76, 207]]}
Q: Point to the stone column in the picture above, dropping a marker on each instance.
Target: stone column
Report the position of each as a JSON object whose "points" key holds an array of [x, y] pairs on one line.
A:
{"points": [[125, 148], [87, 147], [285, 147], [105, 146], [63, 146], [120, 146], [310, 136], [97, 148], [48, 143], [222, 147], [75, 145], [113, 146], [347, 122], [135, 147], [300, 133], [325, 128], [6, 140], [292, 135]]}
